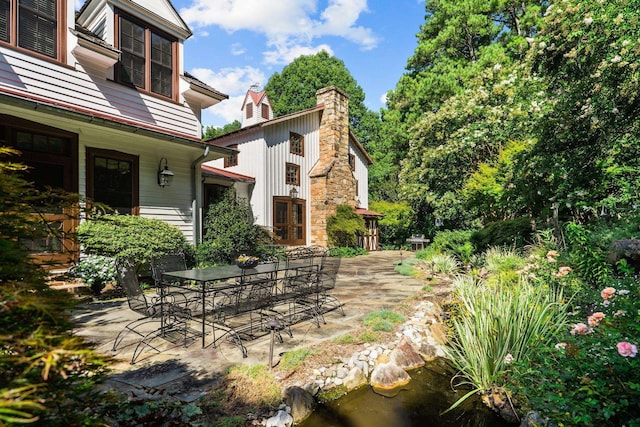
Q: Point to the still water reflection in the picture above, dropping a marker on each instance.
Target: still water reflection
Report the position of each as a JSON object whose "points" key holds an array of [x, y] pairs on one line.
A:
{"points": [[418, 405]]}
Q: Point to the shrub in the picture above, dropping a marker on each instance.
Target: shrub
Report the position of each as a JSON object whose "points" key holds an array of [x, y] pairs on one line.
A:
{"points": [[584, 379], [96, 271], [394, 226], [45, 369], [231, 231], [130, 236], [444, 264], [454, 242], [513, 233], [587, 257], [347, 252], [494, 325], [344, 227]]}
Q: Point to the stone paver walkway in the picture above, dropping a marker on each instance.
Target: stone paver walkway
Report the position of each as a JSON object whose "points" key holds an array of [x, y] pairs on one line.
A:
{"points": [[365, 284]]}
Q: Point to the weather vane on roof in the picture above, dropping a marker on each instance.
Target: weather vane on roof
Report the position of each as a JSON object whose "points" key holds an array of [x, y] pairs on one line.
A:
{"points": [[255, 87]]}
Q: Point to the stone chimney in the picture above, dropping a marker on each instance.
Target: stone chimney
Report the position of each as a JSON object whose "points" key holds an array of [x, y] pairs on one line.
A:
{"points": [[332, 181]]}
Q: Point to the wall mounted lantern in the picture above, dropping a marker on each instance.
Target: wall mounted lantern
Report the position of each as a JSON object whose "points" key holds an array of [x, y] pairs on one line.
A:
{"points": [[293, 193], [165, 176]]}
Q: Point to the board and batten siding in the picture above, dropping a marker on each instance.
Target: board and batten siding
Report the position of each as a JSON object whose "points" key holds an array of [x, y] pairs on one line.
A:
{"points": [[33, 77], [362, 175], [279, 154]]}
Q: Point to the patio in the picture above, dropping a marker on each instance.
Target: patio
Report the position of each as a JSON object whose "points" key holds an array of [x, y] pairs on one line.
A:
{"points": [[364, 284]]}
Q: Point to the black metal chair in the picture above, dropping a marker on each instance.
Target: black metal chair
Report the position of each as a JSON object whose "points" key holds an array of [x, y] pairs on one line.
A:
{"points": [[164, 314], [326, 282], [180, 294]]}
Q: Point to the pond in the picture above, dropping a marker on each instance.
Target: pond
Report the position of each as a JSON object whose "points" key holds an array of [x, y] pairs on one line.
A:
{"points": [[418, 404]]}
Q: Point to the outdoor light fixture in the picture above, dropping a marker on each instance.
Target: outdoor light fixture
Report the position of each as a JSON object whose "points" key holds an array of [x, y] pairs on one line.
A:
{"points": [[293, 193], [165, 176]]}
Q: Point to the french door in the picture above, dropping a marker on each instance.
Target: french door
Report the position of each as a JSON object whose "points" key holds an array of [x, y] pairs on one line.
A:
{"points": [[289, 221], [51, 158]]}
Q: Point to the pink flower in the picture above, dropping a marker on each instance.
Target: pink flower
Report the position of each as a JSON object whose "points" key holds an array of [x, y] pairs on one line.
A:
{"points": [[627, 349], [551, 256], [563, 271], [607, 292], [581, 329], [595, 318]]}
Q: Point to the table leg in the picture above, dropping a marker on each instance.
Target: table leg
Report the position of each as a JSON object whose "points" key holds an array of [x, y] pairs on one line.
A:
{"points": [[203, 312]]}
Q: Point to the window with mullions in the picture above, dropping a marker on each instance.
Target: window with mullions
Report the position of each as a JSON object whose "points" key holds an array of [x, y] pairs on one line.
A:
{"points": [[155, 73], [112, 179], [296, 143], [293, 174], [34, 26]]}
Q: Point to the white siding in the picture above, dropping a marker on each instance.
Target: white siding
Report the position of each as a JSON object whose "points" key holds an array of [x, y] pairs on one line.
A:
{"points": [[31, 77], [172, 204], [362, 175]]}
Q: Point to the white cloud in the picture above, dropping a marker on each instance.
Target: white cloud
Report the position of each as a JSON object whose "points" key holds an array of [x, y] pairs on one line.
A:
{"points": [[289, 25], [232, 81], [284, 54], [225, 112], [237, 49], [383, 98]]}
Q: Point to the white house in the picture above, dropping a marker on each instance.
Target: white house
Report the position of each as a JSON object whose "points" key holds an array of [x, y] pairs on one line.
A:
{"points": [[295, 169], [98, 103]]}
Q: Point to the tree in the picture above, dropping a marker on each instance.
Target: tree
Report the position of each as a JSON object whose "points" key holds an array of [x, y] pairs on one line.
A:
{"points": [[295, 88], [587, 157], [459, 40], [212, 132]]}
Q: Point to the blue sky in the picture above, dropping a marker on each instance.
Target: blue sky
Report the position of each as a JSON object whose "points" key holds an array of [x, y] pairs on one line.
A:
{"points": [[238, 43]]}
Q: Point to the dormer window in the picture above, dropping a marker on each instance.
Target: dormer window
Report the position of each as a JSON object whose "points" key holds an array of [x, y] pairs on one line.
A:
{"points": [[265, 111], [32, 25], [148, 59], [296, 144], [249, 110]]}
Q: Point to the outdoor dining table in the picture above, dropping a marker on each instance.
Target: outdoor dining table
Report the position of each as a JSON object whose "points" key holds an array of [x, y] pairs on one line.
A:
{"points": [[212, 280]]}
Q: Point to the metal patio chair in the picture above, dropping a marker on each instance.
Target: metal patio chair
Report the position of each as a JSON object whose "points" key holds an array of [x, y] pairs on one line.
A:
{"points": [[165, 316]]}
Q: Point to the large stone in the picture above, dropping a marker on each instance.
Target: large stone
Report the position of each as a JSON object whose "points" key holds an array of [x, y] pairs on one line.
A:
{"points": [[281, 419], [387, 377], [301, 403], [405, 356], [428, 352], [354, 379], [439, 332]]}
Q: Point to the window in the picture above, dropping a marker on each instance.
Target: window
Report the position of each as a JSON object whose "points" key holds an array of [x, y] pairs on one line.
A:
{"points": [[34, 25], [296, 143], [265, 111], [112, 179], [352, 162], [293, 174], [231, 160], [249, 109], [147, 60]]}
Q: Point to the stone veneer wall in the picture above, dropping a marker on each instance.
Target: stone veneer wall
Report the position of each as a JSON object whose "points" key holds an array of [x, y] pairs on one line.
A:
{"points": [[332, 181]]}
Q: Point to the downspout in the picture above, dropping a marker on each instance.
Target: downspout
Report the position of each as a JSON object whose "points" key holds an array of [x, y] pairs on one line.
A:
{"points": [[197, 216]]}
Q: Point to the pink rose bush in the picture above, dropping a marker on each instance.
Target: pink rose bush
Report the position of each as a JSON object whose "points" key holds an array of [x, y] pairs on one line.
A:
{"points": [[580, 329], [595, 318], [607, 293], [626, 349]]}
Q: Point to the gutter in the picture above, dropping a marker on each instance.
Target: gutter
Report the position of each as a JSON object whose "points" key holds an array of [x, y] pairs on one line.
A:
{"points": [[197, 212]]}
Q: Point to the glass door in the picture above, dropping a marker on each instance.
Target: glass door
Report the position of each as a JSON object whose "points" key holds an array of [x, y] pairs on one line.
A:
{"points": [[289, 221]]}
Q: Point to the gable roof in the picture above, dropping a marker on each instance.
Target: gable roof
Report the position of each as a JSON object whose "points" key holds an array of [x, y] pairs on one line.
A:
{"points": [[360, 147], [257, 97], [223, 140], [161, 13]]}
